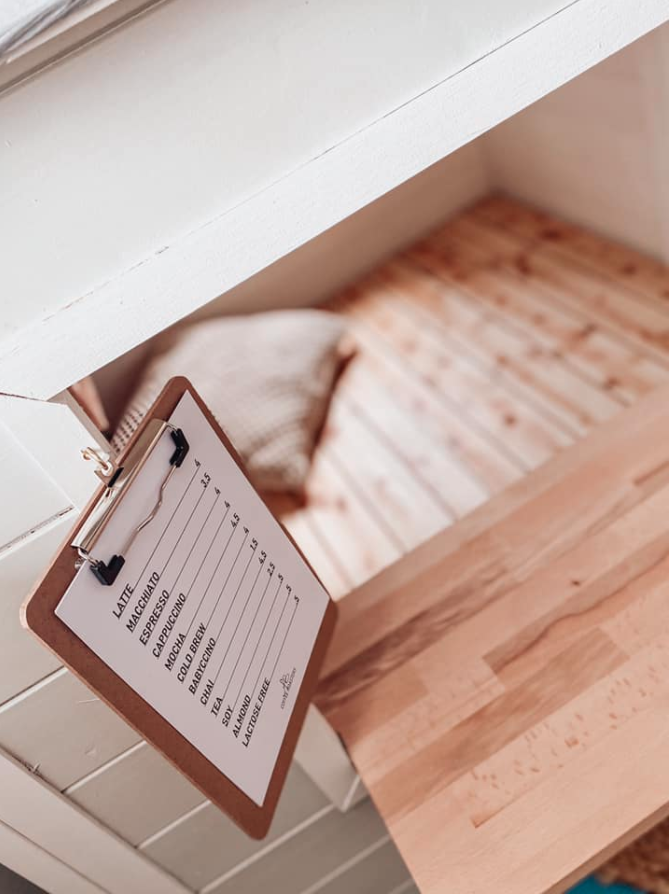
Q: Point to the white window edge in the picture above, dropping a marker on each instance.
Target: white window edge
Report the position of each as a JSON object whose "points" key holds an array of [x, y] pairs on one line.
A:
{"points": [[75, 31]]}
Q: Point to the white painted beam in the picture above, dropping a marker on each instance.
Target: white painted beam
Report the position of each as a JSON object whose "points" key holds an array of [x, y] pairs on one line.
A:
{"points": [[182, 182], [54, 433]]}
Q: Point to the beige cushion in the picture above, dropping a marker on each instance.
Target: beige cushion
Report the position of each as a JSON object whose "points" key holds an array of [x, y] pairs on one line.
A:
{"points": [[267, 378]]}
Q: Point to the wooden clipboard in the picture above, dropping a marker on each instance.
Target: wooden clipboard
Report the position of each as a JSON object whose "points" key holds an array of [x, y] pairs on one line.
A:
{"points": [[38, 615]]}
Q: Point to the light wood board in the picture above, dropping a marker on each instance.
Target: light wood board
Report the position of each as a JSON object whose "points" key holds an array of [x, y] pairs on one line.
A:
{"points": [[503, 689]]}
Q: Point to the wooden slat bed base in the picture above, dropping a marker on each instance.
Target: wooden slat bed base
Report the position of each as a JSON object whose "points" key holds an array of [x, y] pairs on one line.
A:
{"points": [[482, 352]]}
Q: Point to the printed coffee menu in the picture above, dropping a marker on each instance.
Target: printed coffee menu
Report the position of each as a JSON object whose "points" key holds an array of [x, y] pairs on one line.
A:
{"points": [[214, 615]]}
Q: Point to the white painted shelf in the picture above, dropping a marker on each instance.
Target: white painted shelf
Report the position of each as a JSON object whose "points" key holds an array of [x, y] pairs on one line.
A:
{"points": [[166, 162]]}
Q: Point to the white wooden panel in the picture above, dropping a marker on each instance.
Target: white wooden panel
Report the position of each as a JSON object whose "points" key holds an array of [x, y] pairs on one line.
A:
{"points": [[379, 871], [340, 255], [206, 844], [205, 199], [54, 434], [36, 811], [23, 661], [137, 794], [61, 728], [322, 756], [28, 495], [305, 858], [29, 861]]}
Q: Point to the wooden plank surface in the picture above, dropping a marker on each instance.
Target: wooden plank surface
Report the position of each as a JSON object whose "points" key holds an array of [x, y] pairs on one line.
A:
{"points": [[645, 275], [496, 667], [569, 331], [473, 366], [409, 511], [511, 415], [503, 689]]}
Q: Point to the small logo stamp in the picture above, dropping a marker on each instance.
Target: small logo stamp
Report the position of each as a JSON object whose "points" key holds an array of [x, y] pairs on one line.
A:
{"points": [[286, 682]]}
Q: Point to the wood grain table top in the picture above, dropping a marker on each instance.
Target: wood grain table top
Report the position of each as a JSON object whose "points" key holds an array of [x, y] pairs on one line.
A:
{"points": [[504, 688]]}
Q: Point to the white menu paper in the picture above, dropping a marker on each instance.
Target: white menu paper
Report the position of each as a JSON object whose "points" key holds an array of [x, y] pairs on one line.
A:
{"points": [[214, 615]]}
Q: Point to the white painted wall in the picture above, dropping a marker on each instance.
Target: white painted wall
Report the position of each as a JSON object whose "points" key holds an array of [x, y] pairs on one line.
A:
{"points": [[341, 254], [596, 151]]}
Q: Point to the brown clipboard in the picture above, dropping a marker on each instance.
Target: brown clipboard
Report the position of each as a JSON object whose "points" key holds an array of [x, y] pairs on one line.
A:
{"points": [[38, 615]]}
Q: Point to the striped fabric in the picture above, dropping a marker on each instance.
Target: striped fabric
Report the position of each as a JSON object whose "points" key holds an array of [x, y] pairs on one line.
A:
{"points": [[267, 379]]}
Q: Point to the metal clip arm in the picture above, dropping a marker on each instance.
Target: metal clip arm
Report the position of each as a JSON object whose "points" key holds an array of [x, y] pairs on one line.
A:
{"points": [[117, 482]]}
